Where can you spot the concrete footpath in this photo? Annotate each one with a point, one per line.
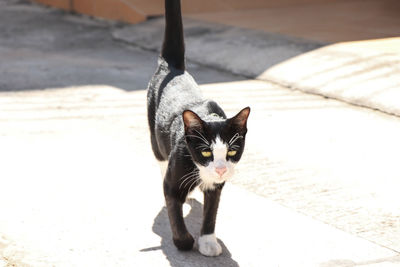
(81, 188)
(364, 73)
(318, 185)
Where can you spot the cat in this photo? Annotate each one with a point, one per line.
(193, 134)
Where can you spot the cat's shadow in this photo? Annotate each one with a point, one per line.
(178, 258)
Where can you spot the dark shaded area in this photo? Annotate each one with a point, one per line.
(188, 258)
(42, 47)
(241, 51)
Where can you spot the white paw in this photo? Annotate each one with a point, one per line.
(208, 245)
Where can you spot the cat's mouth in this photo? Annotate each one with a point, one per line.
(221, 176)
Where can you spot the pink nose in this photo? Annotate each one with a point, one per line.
(220, 170)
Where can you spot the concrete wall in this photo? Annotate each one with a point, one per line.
(108, 9)
(134, 11)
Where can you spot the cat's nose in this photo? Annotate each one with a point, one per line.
(220, 170)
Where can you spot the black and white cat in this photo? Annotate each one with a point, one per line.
(193, 134)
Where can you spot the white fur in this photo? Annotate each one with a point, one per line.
(163, 167)
(219, 149)
(186, 209)
(208, 174)
(208, 245)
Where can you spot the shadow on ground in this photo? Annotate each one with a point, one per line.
(47, 48)
(190, 258)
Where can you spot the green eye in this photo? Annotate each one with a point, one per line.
(206, 154)
(231, 153)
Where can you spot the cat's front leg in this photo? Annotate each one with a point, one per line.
(183, 240)
(208, 244)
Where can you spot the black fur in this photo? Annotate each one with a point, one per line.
(173, 49)
(177, 112)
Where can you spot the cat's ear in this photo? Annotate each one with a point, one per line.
(192, 121)
(240, 120)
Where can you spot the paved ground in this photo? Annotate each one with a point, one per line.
(81, 187)
(363, 73)
(320, 175)
(43, 48)
(217, 45)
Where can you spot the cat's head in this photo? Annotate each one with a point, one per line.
(215, 146)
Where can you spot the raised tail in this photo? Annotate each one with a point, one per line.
(173, 49)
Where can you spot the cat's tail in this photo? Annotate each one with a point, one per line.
(173, 49)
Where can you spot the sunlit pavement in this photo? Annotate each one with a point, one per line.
(363, 73)
(80, 187)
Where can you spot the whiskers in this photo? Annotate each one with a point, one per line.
(189, 179)
(203, 146)
(202, 136)
(234, 139)
(199, 136)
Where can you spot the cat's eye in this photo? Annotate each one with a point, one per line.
(206, 154)
(231, 153)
